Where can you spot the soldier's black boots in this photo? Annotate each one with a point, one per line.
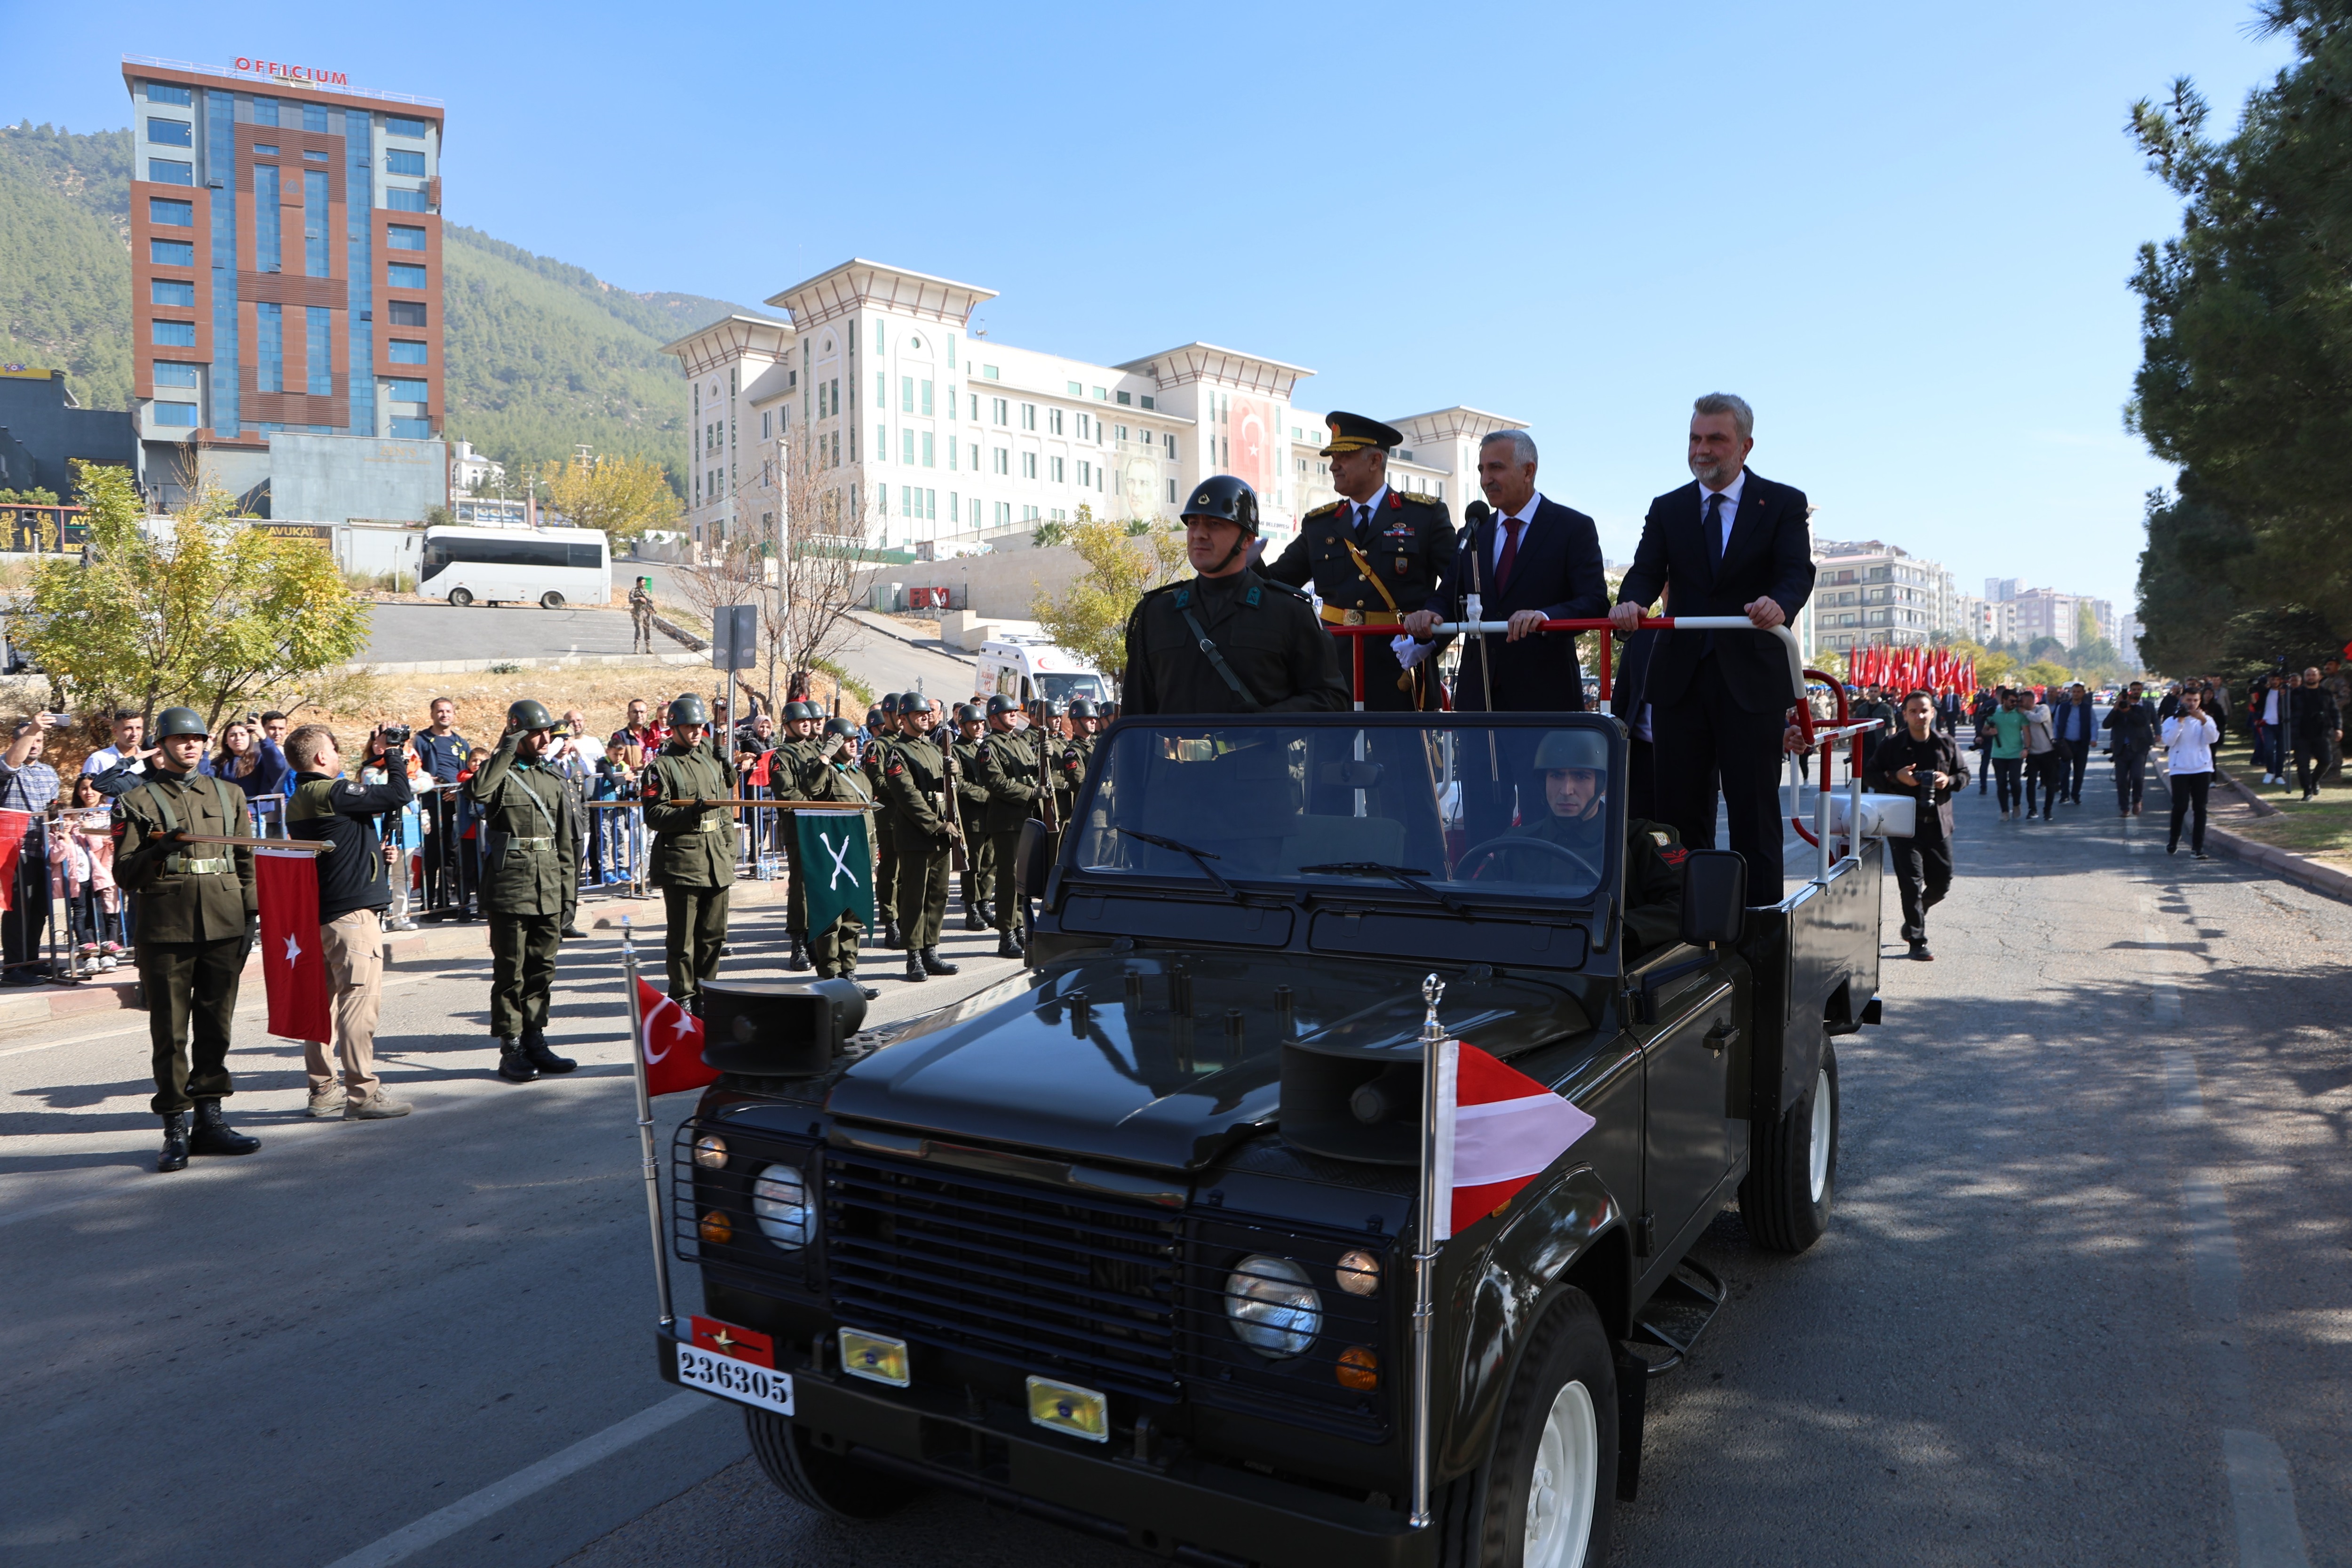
(534, 1049)
(175, 1156)
(513, 1065)
(1005, 946)
(934, 964)
(915, 970)
(798, 957)
(215, 1136)
(972, 920)
(892, 936)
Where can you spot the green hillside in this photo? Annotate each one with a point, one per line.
(542, 355)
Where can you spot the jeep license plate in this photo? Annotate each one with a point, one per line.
(737, 1380)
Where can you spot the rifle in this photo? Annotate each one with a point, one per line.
(1045, 810)
(956, 857)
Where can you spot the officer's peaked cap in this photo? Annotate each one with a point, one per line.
(1353, 433)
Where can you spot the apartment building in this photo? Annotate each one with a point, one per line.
(1870, 594)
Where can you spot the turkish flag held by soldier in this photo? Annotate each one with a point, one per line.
(293, 955)
(669, 1040)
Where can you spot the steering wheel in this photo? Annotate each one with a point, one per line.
(1508, 842)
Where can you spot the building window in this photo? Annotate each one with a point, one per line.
(404, 275)
(170, 172)
(1028, 416)
(171, 291)
(265, 111)
(1004, 454)
(1124, 398)
(926, 397)
(1054, 420)
(951, 454)
(1005, 514)
(313, 155)
(406, 391)
(1100, 395)
(1028, 465)
(314, 117)
(165, 92)
(171, 212)
(989, 371)
(404, 428)
(1146, 400)
(314, 223)
(407, 351)
(171, 252)
(169, 374)
(401, 199)
(1171, 493)
(1085, 426)
(906, 448)
(1172, 447)
(1056, 465)
(399, 161)
(176, 334)
(270, 372)
(766, 425)
(1085, 475)
(180, 415)
(928, 451)
(401, 125)
(318, 348)
(1001, 410)
(405, 313)
(402, 236)
(170, 132)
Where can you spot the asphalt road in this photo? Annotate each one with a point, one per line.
(416, 633)
(2083, 1301)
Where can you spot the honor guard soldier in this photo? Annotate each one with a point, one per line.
(1227, 640)
(1008, 773)
(530, 885)
(1373, 557)
(883, 725)
(971, 807)
(693, 854)
(915, 783)
(1077, 753)
(836, 777)
(792, 758)
(196, 909)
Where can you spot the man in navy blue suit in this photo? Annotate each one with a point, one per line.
(1732, 542)
(1531, 560)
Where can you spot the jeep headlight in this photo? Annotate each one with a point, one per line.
(780, 1204)
(1273, 1307)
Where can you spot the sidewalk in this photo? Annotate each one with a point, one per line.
(402, 950)
(2232, 813)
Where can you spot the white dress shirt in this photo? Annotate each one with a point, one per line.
(1526, 516)
(1731, 494)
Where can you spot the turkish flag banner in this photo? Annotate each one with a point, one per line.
(12, 825)
(293, 957)
(669, 1041)
(727, 1339)
(1497, 1130)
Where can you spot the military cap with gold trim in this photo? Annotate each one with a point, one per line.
(1353, 433)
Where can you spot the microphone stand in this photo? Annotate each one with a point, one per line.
(1474, 515)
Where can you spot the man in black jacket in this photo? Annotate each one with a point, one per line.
(354, 889)
(2318, 726)
(2131, 727)
(1731, 542)
(1920, 760)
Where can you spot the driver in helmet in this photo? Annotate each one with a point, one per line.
(1574, 767)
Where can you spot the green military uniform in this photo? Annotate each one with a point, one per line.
(531, 882)
(915, 783)
(692, 861)
(971, 809)
(786, 763)
(1265, 635)
(842, 782)
(1009, 775)
(194, 903)
(1653, 860)
(886, 857)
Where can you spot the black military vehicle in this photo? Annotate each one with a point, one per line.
(1129, 1241)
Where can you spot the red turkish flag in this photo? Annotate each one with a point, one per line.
(293, 957)
(669, 1040)
(12, 825)
(730, 1339)
(1497, 1130)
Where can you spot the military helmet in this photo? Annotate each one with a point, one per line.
(796, 712)
(1000, 703)
(174, 721)
(886, 703)
(1573, 749)
(1050, 709)
(913, 702)
(970, 713)
(689, 709)
(530, 714)
(1221, 498)
(1083, 707)
(839, 727)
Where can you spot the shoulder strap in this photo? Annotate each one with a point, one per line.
(1217, 660)
(229, 812)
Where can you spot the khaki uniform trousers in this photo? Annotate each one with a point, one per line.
(353, 946)
(922, 890)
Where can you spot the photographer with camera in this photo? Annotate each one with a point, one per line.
(1921, 761)
(388, 750)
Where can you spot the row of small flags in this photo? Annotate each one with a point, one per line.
(1911, 668)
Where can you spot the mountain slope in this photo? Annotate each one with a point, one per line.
(541, 355)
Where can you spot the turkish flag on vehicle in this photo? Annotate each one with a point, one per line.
(12, 825)
(669, 1039)
(293, 958)
(1497, 1130)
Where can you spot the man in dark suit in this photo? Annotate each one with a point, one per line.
(1629, 698)
(1373, 556)
(1531, 560)
(1730, 543)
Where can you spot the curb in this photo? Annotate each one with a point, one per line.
(872, 622)
(2270, 858)
(555, 661)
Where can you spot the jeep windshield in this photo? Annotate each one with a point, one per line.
(1424, 808)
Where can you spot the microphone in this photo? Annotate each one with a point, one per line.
(1476, 512)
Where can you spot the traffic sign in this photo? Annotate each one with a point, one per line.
(734, 636)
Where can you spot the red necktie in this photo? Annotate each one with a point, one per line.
(1510, 556)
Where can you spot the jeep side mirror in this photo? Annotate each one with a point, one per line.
(1033, 862)
(1715, 897)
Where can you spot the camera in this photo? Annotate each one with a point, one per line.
(394, 734)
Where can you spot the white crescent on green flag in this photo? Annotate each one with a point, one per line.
(836, 866)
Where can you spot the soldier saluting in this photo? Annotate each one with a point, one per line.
(530, 885)
(1227, 640)
(693, 855)
(196, 903)
(1374, 556)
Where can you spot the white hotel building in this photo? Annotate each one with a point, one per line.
(927, 437)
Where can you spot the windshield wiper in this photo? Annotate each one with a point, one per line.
(1200, 858)
(1411, 876)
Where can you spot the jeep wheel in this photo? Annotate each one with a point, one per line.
(838, 1486)
(1791, 1184)
(1550, 1487)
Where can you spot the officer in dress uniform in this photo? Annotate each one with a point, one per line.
(1008, 774)
(693, 853)
(1373, 557)
(882, 724)
(1227, 640)
(971, 807)
(530, 885)
(196, 906)
(916, 785)
(835, 775)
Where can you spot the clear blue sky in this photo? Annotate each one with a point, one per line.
(1902, 232)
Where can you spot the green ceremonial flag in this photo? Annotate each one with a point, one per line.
(836, 867)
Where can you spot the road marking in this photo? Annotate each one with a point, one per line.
(2212, 1247)
(2262, 1496)
(2181, 1086)
(467, 1512)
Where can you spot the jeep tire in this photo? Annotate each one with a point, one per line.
(1791, 1181)
(831, 1484)
(1549, 1489)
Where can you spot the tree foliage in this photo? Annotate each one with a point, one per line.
(65, 258)
(622, 496)
(2247, 347)
(1090, 619)
(215, 614)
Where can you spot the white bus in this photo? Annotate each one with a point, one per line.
(555, 566)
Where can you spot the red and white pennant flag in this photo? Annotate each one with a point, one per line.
(669, 1042)
(293, 959)
(1497, 1130)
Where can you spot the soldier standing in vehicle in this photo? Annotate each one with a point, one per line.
(1227, 640)
(883, 725)
(1008, 774)
(196, 909)
(915, 782)
(530, 885)
(1373, 557)
(836, 777)
(971, 809)
(693, 853)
